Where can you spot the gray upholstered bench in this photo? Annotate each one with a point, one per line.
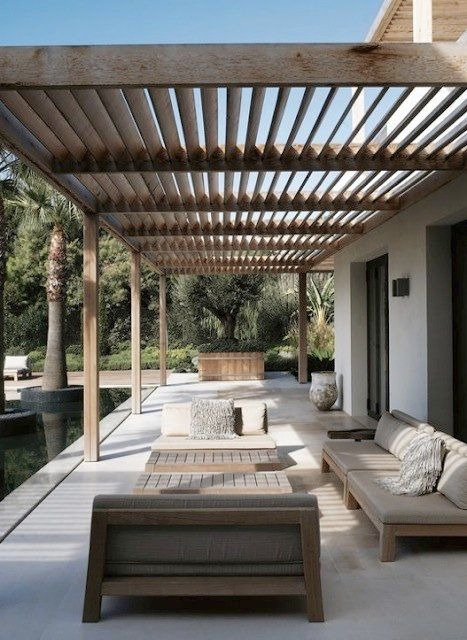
(204, 545)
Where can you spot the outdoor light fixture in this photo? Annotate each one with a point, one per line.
(400, 287)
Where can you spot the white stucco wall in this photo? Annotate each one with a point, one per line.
(415, 322)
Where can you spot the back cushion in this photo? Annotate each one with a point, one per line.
(251, 419)
(176, 419)
(394, 435)
(453, 481)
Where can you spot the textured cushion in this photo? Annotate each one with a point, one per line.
(432, 508)
(185, 569)
(212, 419)
(350, 455)
(453, 481)
(170, 443)
(250, 418)
(394, 435)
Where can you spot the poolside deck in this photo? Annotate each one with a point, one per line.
(43, 561)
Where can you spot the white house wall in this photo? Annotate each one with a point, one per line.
(420, 325)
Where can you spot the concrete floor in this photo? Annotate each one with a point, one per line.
(422, 596)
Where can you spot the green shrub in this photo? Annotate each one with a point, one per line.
(231, 345)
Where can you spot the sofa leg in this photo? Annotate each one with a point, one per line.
(349, 501)
(325, 468)
(387, 544)
(314, 597)
(92, 608)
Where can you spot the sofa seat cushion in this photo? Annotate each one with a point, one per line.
(350, 455)
(432, 508)
(170, 443)
(185, 569)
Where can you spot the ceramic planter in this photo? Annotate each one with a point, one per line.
(323, 391)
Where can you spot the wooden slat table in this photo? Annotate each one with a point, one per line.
(207, 460)
(218, 483)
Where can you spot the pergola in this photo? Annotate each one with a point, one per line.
(217, 159)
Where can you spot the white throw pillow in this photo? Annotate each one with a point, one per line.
(176, 419)
(251, 419)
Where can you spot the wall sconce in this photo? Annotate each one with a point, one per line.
(400, 287)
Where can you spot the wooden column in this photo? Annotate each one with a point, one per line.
(422, 16)
(163, 329)
(302, 330)
(135, 332)
(91, 336)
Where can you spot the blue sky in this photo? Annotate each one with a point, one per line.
(45, 22)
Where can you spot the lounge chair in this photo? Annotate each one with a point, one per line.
(16, 366)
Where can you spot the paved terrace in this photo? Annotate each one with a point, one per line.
(43, 561)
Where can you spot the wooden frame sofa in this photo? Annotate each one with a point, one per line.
(359, 464)
(204, 546)
(16, 367)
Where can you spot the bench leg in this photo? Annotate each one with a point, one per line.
(350, 501)
(325, 468)
(387, 544)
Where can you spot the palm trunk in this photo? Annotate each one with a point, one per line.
(2, 289)
(55, 433)
(55, 373)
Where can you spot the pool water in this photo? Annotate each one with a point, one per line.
(21, 456)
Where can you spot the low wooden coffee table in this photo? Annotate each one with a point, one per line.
(207, 460)
(218, 483)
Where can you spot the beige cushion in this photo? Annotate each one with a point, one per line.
(432, 508)
(176, 418)
(250, 418)
(394, 435)
(350, 455)
(453, 481)
(170, 443)
(452, 444)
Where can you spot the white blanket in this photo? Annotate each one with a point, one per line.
(420, 469)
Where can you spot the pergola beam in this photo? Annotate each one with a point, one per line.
(164, 245)
(370, 64)
(332, 161)
(304, 202)
(244, 229)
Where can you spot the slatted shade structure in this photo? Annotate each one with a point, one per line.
(223, 159)
(394, 22)
(238, 158)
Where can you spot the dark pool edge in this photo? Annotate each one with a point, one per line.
(22, 501)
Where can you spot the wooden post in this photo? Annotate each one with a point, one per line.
(162, 330)
(91, 336)
(422, 16)
(135, 332)
(302, 330)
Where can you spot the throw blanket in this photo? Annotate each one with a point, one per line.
(421, 467)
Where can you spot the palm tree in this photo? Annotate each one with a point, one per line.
(7, 184)
(44, 210)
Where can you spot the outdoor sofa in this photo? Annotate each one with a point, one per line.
(16, 366)
(251, 425)
(358, 464)
(204, 545)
